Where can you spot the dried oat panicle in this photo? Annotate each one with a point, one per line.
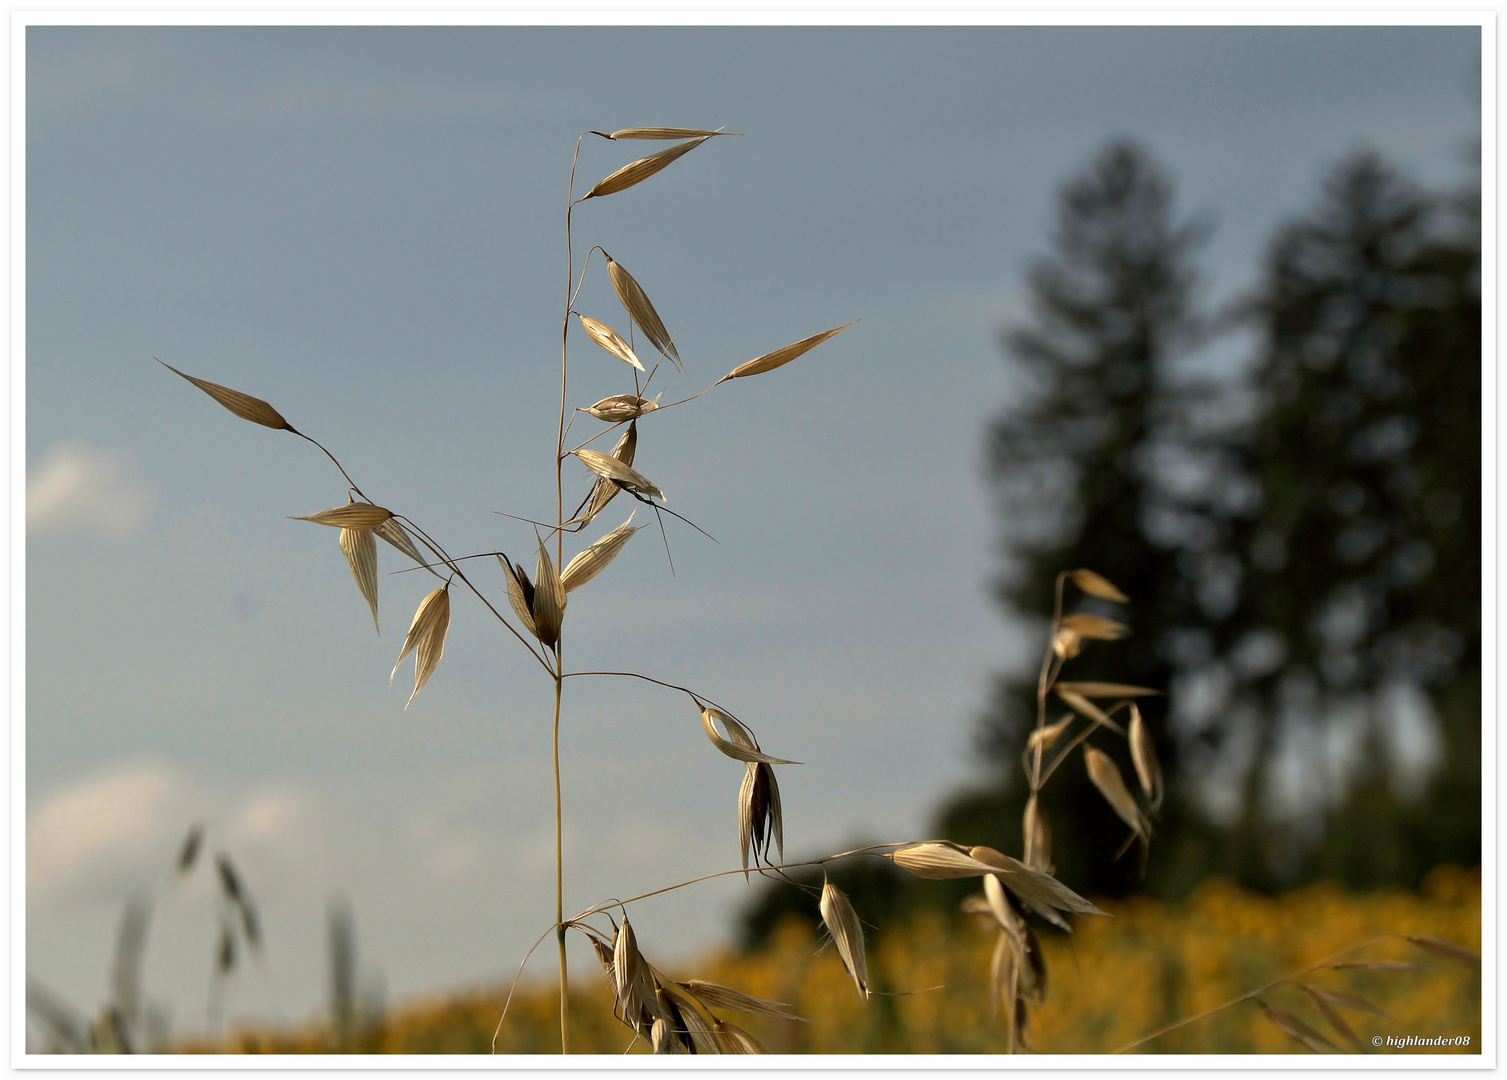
(740, 743)
(1035, 888)
(760, 819)
(1104, 689)
(603, 490)
(243, 405)
(549, 599)
(1143, 756)
(847, 934)
(938, 861)
(353, 515)
(520, 593)
(1105, 775)
(621, 407)
(394, 534)
(1038, 836)
(360, 549)
(1094, 626)
(714, 995)
(594, 559)
(635, 172)
(780, 357)
(1296, 1030)
(737, 1041)
(610, 340)
(664, 133)
(636, 303)
(426, 634)
(610, 468)
(1097, 585)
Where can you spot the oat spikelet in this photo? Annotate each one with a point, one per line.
(243, 405)
(394, 534)
(549, 599)
(610, 468)
(689, 1009)
(635, 985)
(1094, 626)
(1037, 889)
(520, 593)
(1038, 836)
(1143, 755)
(636, 302)
(717, 996)
(737, 1041)
(847, 934)
(1349, 1001)
(620, 407)
(611, 340)
(636, 172)
(1066, 643)
(603, 490)
(759, 815)
(1296, 1030)
(353, 515)
(999, 905)
(594, 559)
(1105, 775)
(1447, 949)
(780, 357)
(1001, 975)
(663, 133)
(360, 549)
(1336, 1021)
(1084, 707)
(426, 634)
(1097, 585)
(937, 861)
(740, 744)
(1105, 689)
(1048, 735)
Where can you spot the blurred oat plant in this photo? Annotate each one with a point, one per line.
(688, 1016)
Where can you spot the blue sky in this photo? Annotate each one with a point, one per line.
(365, 227)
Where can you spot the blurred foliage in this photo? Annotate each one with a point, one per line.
(1113, 981)
(1299, 534)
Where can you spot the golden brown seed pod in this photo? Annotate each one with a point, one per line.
(780, 357)
(636, 303)
(426, 634)
(353, 515)
(636, 172)
(1105, 775)
(847, 934)
(243, 405)
(1097, 585)
(610, 340)
(621, 407)
(360, 549)
(1094, 626)
(1143, 756)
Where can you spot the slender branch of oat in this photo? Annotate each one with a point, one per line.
(337, 464)
(514, 986)
(1094, 725)
(1253, 993)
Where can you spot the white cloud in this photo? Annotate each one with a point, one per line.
(80, 488)
(100, 824)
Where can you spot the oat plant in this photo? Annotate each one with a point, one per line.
(693, 1016)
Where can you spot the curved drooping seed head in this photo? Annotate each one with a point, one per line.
(842, 923)
(636, 172)
(1148, 769)
(760, 819)
(620, 407)
(663, 133)
(520, 593)
(1097, 585)
(360, 549)
(353, 515)
(610, 340)
(604, 489)
(938, 861)
(780, 357)
(1036, 889)
(426, 634)
(594, 559)
(1038, 836)
(740, 743)
(243, 405)
(610, 468)
(636, 303)
(1105, 775)
(548, 603)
